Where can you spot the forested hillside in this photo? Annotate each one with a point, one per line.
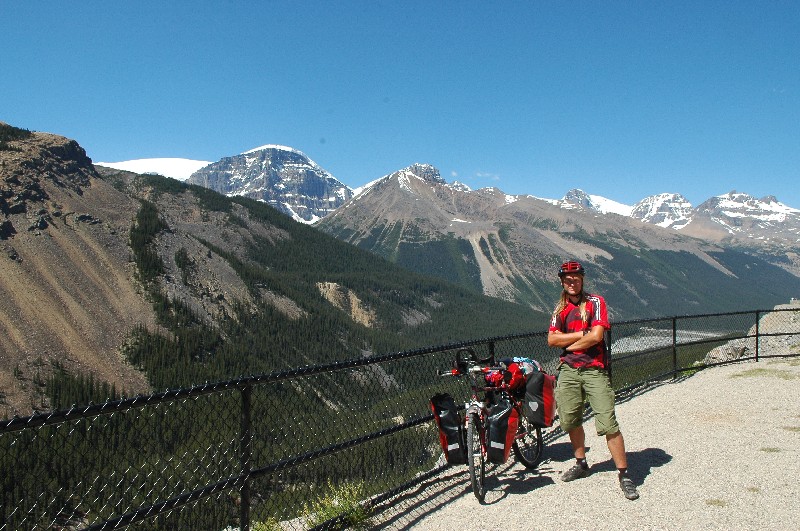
(144, 283)
(309, 297)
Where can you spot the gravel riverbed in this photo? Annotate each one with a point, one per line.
(716, 450)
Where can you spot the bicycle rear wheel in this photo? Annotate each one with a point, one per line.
(475, 456)
(528, 443)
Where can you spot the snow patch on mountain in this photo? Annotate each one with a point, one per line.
(404, 179)
(577, 198)
(177, 168)
(275, 146)
(556, 202)
(300, 162)
(609, 206)
(459, 186)
(367, 187)
(423, 172)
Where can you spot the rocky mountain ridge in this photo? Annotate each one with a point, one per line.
(509, 246)
(68, 295)
(734, 218)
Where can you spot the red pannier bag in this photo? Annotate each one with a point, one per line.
(501, 429)
(539, 405)
(451, 430)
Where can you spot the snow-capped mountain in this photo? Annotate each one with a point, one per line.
(279, 175)
(738, 205)
(741, 216)
(665, 210)
(176, 168)
(732, 216)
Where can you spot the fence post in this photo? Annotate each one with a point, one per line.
(758, 338)
(674, 348)
(245, 455)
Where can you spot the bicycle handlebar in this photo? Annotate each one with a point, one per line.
(473, 369)
(476, 369)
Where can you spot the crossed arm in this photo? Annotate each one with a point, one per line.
(572, 341)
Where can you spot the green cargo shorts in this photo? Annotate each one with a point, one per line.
(574, 387)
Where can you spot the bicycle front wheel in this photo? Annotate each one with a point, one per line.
(528, 443)
(475, 456)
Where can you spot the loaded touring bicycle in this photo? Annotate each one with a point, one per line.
(510, 402)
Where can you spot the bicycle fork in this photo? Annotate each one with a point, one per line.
(474, 410)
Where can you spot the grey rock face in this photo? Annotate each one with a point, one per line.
(283, 177)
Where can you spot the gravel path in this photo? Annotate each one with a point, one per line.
(717, 450)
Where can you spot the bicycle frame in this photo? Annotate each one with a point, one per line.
(527, 443)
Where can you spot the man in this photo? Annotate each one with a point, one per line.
(579, 325)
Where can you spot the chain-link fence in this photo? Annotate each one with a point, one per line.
(315, 447)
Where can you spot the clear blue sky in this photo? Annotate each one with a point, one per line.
(621, 99)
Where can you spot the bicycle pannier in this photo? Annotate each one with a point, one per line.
(539, 406)
(501, 428)
(451, 430)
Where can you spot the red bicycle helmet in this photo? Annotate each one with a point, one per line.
(571, 267)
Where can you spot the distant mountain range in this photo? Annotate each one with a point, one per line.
(291, 182)
(658, 257)
(735, 215)
(510, 246)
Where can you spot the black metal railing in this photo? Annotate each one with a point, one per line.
(309, 447)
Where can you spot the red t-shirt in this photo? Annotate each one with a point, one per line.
(569, 320)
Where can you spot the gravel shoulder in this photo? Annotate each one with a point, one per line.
(717, 450)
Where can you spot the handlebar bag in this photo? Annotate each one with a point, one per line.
(539, 406)
(501, 428)
(451, 430)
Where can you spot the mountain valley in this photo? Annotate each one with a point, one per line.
(121, 283)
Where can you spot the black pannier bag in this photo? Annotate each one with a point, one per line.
(539, 405)
(501, 429)
(451, 429)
